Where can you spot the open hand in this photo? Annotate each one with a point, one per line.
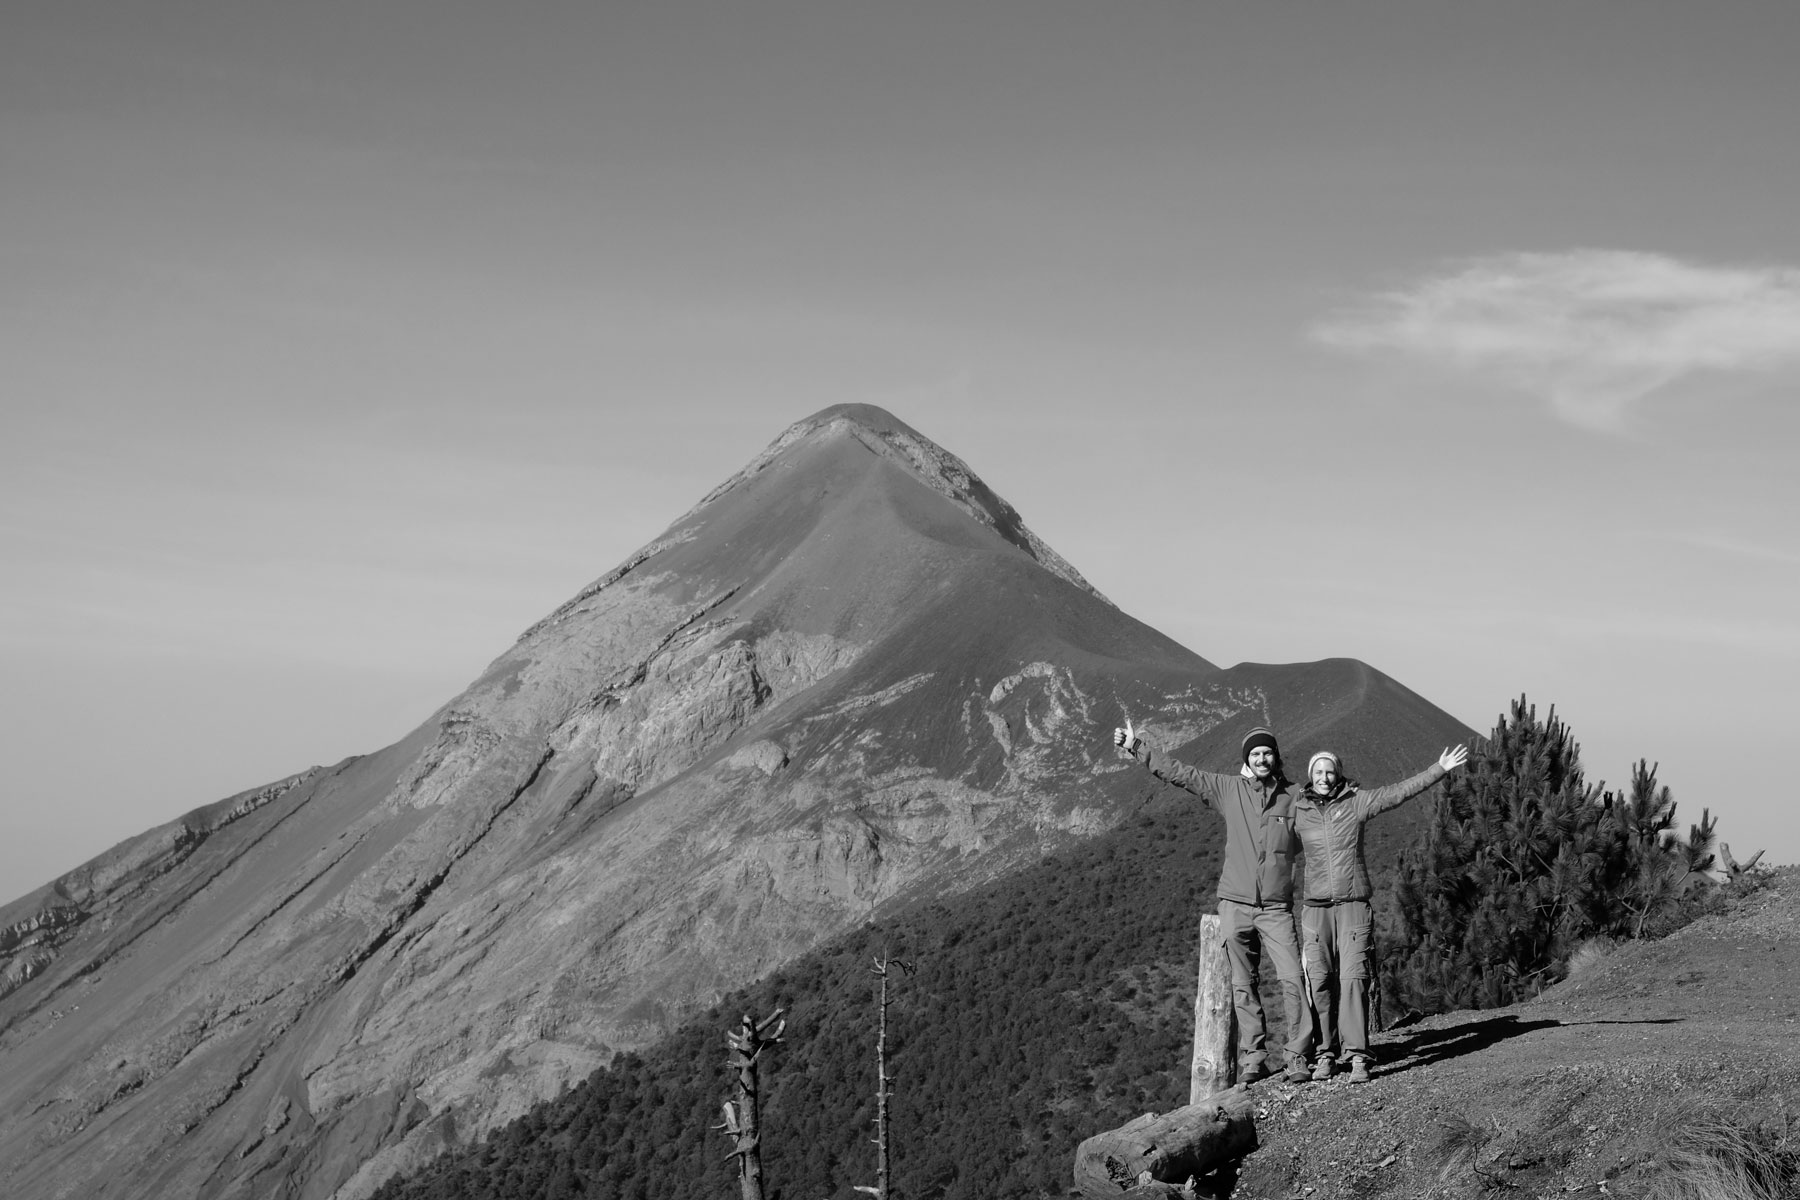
(1452, 759)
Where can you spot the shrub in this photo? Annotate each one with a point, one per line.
(1522, 861)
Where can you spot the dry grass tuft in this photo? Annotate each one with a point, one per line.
(1588, 957)
(1454, 1144)
(1715, 1158)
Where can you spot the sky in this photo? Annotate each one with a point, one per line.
(340, 342)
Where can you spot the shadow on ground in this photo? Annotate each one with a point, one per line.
(1436, 1045)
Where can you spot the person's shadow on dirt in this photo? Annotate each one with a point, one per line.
(1435, 1045)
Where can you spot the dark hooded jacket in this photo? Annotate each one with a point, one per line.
(1259, 826)
(1331, 830)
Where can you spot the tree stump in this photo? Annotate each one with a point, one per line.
(1214, 1067)
(1170, 1149)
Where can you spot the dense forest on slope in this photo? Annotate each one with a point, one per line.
(1046, 1007)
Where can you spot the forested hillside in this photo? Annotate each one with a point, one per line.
(1044, 1008)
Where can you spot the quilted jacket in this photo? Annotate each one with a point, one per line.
(1331, 829)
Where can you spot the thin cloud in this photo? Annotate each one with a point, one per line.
(1737, 548)
(1592, 331)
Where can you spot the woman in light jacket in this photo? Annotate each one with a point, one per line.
(1336, 921)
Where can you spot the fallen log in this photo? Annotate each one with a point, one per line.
(1191, 1141)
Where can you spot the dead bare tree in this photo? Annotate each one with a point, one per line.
(884, 1083)
(742, 1121)
(1731, 867)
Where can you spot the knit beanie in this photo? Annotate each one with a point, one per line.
(1337, 764)
(1260, 737)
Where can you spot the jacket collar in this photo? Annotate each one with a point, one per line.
(1275, 782)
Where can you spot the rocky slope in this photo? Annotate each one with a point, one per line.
(849, 678)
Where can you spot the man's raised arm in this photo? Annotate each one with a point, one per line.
(1203, 784)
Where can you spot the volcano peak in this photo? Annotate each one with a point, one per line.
(890, 438)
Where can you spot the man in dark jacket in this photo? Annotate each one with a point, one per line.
(1256, 887)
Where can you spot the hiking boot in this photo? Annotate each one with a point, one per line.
(1249, 1073)
(1296, 1071)
(1359, 1070)
(1323, 1068)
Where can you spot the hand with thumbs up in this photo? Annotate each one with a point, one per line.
(1127, 739)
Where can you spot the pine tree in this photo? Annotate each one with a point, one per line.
(1654, 874)
(1487, 896)
(1523, 860)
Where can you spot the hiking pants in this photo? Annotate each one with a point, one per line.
(1251, 932)
(1339, 962)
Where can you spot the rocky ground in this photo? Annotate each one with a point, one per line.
(1643, 1069)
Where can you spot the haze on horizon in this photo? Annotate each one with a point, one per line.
(342, 343)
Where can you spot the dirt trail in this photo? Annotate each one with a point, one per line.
(1582, 1091)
